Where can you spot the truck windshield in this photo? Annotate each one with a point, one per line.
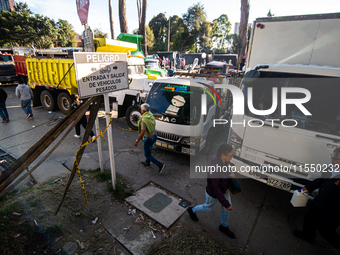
(324, 105)
(175, 103)
(135, 69)
(152, 64)
(6, 58)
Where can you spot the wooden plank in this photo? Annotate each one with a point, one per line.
(18, 166)
(7, 181)
(93, 114)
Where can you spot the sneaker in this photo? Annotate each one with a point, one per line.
(227, 231)
(144, 164)
(193, 215)
(161, 168)
(7, 120)
(28, 116)
(77, 136)
(4, 121)
(31, 117)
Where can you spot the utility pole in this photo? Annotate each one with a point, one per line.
(168, 32)
(243, 31)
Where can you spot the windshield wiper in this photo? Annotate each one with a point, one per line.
(163, 113)
(169, 115)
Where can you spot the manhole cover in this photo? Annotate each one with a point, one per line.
(157, 203)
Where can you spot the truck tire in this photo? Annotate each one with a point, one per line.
(64, 103)
(133, 115)
(48, 100)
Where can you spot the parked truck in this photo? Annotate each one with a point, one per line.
(291, 120)
(7, 69)
(181, 126)
(51, 73)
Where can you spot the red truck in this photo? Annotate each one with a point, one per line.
(7, 69)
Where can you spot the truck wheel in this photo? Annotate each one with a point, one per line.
(48, 101)
(64, 103)
(132, 116)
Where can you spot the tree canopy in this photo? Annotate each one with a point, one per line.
(221, 29)
(198, 26)
(192, 32)
(24, 28)
(97, 33)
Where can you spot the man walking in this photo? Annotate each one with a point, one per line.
(25, 94)
(146, 128)
(323, 213)
(3, 110)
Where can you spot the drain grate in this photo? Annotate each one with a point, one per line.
(158, 202)
(5, 159)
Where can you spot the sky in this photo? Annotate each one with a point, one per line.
(98, 16)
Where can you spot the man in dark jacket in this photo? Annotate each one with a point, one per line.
(217, 189)
(3, 110)
(323, 213)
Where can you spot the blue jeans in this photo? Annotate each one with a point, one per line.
(209, 205)
(148, 143)
(3, 111)
(26, 106)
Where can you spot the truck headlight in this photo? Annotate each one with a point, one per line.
(236, 142)
(191, 141)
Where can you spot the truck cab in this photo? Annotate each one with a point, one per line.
(276, 141)
(177, 106)
(126, 102)
(7, 68)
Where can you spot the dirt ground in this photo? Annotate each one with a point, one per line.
(28, 223)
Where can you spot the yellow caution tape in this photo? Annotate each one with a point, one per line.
(83, 145)
(130, 130)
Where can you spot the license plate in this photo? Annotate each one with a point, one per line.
(188, 151)
(277, 183)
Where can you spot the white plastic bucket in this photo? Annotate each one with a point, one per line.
(299, 198)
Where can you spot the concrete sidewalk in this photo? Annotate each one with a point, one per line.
(259, 219)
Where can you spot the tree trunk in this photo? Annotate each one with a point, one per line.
(111, 21)
(139, 10)
(243, 35)
(122, 17)
(142, 29)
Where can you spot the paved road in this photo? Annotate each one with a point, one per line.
(261, 214)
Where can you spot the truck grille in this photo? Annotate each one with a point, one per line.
(168, 137)
(7, 70)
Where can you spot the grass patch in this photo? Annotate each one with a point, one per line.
(8, 197)
(122, 191)
(53, 232)
(32, 201)
(193, 241)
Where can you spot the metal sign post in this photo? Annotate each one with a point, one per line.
(88, 39)
(101, 73)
